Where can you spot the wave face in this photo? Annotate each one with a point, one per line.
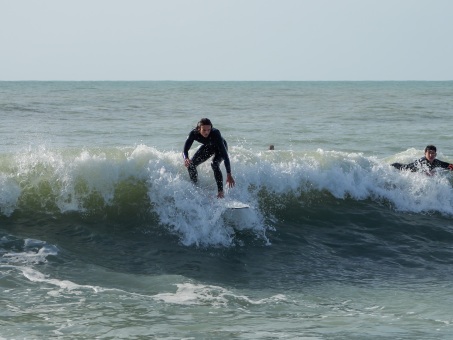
(146, 186)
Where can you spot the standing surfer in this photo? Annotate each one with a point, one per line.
(212, 144)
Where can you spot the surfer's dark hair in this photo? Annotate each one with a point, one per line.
(203, 121)
(431, 148)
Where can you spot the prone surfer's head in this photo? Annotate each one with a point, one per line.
(430, 148)
(430, 153)
(204, 126)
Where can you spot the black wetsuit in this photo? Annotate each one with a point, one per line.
(215, 145)
(422, 164)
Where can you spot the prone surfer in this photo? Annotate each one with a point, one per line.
(428, 162)
(212, 144)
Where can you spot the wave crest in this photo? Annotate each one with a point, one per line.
(132, 182)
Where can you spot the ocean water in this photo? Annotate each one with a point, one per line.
(103, 236)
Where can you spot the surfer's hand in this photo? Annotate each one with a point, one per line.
(220, 194)
(187, 162)
(450, 167)
(230, 181)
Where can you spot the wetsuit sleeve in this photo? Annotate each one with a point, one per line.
(417, 165)
(223, 151)
(189, 141)
(411, 166)
(440, 164)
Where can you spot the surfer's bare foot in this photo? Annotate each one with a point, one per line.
(220, 194)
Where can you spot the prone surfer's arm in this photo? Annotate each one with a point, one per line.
(443, 165)
(446, 165)
(414, 166)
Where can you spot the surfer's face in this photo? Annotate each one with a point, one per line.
(430, 155)
(205, 130)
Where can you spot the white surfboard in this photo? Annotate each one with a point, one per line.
(236, 205)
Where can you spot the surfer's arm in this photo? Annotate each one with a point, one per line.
(187, 145)
(230, 180)
(443, 165)
(411, 166)
(223, 150)
(226, 159)
(418, 165)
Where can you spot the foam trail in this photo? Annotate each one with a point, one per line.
(197, 294)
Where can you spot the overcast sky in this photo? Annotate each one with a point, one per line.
(226, 40)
